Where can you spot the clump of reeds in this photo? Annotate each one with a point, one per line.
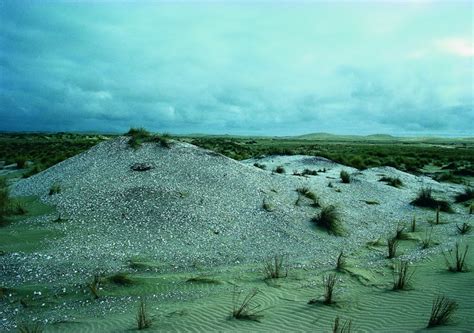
(425, 199)
(342, 327)
(94, 286)
(402, 276)
(143, 319)
(273, 268)
(413, 224)
(247, 309)
(442, 310)
(345, 177)
(392, 245)
(464, 228)
(457, 262)
(426, 241)
(340, 262)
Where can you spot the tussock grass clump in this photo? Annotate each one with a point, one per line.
(203, 280)
(308, 172)
(395, 182)
(247, 309)
(465, 228)
(138, 136)
(329, 282)
(54, 189)
(345, 177)
(466, 196)
(30, 328)
(392, 245)
(413, 224)
(19, 209)
(120, 279)
(260, 166)
(143, 319)
(274, 268)
(400, 233)
(306, 192)
(4, 199)
(442, 310)
(267, 206)
(341, 262)
(402, 276)
(279, 169)
(457, 262)
(94, 286)
(329, 220)
(342, 327)
(427, 241)
(425, 199)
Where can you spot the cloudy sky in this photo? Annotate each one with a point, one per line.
(274, 68)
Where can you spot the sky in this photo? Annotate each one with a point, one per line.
(246, 68)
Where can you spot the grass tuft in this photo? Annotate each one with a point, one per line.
(400, 233)
(273, 268)
(427, 241)
(54, 189)
(279, 169)
(30, 328)
(341, 327)
(457, 262)
(203, 280)
(345, 177)
(395, 182)
(341, 262)
(120, 279)
(329, 220)
(466, 196)
(247, 309)
(329, 282)
(392, 245)
(465, 228)
(306, 192)
(442, 310)
(402, 276)
(413, 224)
(143, 318)
(426, 200)
(94, 286)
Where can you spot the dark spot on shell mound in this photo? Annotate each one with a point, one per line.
(141, 167)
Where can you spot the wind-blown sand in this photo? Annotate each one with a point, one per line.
(196, 212)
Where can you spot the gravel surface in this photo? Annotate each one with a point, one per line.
(195, 208)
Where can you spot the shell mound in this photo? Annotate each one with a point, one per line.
(186, 206)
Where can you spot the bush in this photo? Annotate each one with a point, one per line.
(329, 220)
(345, 177)
(425, 199)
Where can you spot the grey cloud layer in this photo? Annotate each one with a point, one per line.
(228, 69)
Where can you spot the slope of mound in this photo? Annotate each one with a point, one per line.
(195, 208)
